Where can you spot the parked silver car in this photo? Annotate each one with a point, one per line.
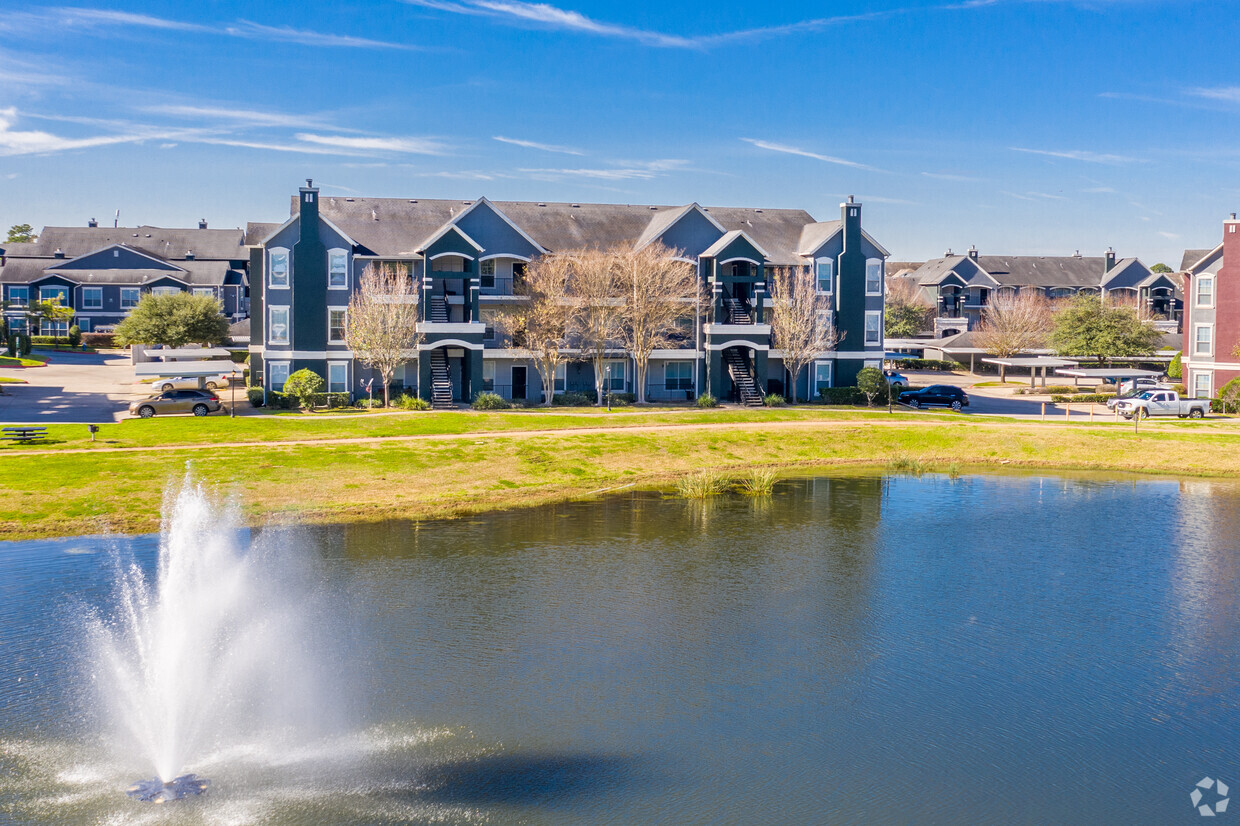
(198, 402)
(217, 381)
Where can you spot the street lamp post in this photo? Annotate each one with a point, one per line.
(608, 388)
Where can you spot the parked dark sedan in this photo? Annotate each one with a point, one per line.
(943, 394)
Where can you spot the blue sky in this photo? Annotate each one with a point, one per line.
(1041, 126)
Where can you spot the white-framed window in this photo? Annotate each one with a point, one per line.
(84, 325)
(19, 296)
(874, 276)
(92, 298)
(50, 327)
(1201, 386)
(338, 269)
(678, 375)
(486, 272)
(1203, 340)
(278, 267)
(877, 365)
(873, 326)
(207, 291)
(277, 374)
(824, 274)
(277, 325)
(488, 375)
(130, 296)
(165, 290)
(337, 377)
(617, 374)
(56, 294)
(822, 376)
(561, 377)
(1205, 291)
(337, 318)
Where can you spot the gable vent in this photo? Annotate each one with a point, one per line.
(348, 200)
(412, 201)
(542, 205)
(59, 253)
(576, 206)
(654, 208)
(189, 255)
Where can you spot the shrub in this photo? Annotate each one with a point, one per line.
(841, 395)
(872, 384)
(303, 386)
(707, 400)
(1175, 370)
(47, 341)
(623, 398)
(11, 344)
(572, 400)
(757, 483)
(23, 344)
(774, 400)
(75, 336)
(907, 464)
(255, 395)
(98, 340)
(1181, 389)
(408, 402)
(701, 485)
(926, 364)
(370, 404)
(490, 401)
(1081, 398)
(330, 400)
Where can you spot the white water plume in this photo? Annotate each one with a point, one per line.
(230, 644)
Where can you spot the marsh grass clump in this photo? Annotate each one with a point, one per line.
(702, 484)
(759, 482)
(953, 470)
(906, 464)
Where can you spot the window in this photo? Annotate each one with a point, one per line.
(277, 326)
(518, 273)
(277, 374)
(166, 290)
(130, 296)
(1205, 292)
(1203, 344)
(825, 274)
(335, 324)
(822, 376)
(48, 327)
(874, 276)
(678, 375)
(19, 296)
(488, 375)
(338, 270)
(279, 268)
(84, 325)
(1201, 386)
(488, 273)
(59, 295)
(877, 365)
(207, 291)
(873, 326)
(92, 298)
(337, 377)
(617, 375)
(561, 377)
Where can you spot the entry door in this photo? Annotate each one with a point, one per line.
(518, 381)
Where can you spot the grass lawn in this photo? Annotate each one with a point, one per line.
(11, 380)
(459, 470)
(28, 361)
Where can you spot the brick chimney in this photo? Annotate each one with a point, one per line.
(973, 252)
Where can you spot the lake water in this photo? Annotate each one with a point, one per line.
(850, 650)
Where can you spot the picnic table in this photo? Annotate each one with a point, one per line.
(24, 435)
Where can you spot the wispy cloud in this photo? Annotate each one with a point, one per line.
(944, 176)
(1171, 235)
(545, 147)
(37, 142)
(1034, 196)
(879, 199)
(409, 146)
(622, 171)
(805, 153)
(57, 20)
(1079, 155)
(1227, 94)
(1098, 190)
(242, 117)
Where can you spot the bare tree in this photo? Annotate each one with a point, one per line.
(381, 327)
(595, 289)
(800, 318)
(542, 323)
(660, 293)
(1014, 324)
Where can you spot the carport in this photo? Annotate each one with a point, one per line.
(1107, 374)
(201, 369)
(1033, 363)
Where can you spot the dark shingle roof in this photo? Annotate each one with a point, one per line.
(196, 273)
(396, 226)
(171, 244)
(1192, 257)
(1039, 271)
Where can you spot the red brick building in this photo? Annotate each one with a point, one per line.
(1212, 313)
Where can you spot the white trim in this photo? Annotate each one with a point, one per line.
(541, 249)
(881, 276)
(1197, 340)
(736, 329)
(445, 255)
(268, 366)
(330, 253)
(1197, 292)
(741, 258)
(448, 342)
(288, 269)
(459, 328)
(82, 298)
(726, 240)
(451, 225)
(830, 262)
(877, 314)
(739, 343)
(347, 364)
(1210, 365)
(119, 245)
(1192, 387)
(813, 381)
(295, 219)
(288, 323)
(1192, 269)
(121, 298)
(505, 255)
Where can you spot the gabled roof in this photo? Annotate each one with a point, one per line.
(727, 239)
(813, 236)
(499, 212)
(58, 263)
(1196, 261)
(444, 230)
(663, 221)
(296, 215)
(170, 244)
(195, 273)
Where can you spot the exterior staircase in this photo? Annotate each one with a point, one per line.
(738, 369)
(438, 308)
(441, 382)
(737, 312)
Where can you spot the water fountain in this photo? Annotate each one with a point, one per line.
(230, 642)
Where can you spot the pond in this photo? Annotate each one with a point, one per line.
(852, 649)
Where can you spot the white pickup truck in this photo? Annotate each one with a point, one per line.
(1162, 403)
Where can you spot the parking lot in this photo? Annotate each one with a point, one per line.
(74, 387)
